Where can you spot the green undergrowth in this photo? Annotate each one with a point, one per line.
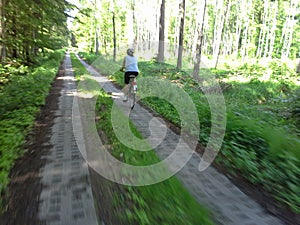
(167, 202)
(262, 133)
(22, 94)
(102, 63)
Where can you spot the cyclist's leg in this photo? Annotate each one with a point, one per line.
(126, 88)
(125, 92)
(135, 82)
(131, 93)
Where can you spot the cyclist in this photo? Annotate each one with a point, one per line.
(130, 65)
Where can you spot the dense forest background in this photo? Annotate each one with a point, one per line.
(30, 27)
(215, 28)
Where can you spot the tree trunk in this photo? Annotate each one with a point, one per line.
(199, 49)
(262, 39)
(216, 29)
(258, 50)
(14, 50)
(222, 32)
(97, 42)
(161, 33)
(134, 24)
(2, 31)
(289, 30)
(273, 30)
(245, 40)
(91, 37)
(96, 29)
(115, 39)
(181, 31)
(268, 32)
(298, 68)
(237, 36)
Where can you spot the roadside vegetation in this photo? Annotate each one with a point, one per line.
(23, 91)
(167, 202)
(262, 133)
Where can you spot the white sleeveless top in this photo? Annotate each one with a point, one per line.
(131, 64)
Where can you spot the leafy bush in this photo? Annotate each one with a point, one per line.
(281, 71)
(251, 70)
(104, 64)
(11, 69)
(294, 107)
(253, 143)
(21, 98)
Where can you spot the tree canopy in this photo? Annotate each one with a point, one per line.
(30, 27)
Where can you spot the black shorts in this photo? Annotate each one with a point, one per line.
(127, 76)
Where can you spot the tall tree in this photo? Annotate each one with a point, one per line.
(114, 36)
(181, 32)
(96, 28)
(161, 44)
(287, 35)
(272, 29)
(263, 29)
(218, 47)
(2, 31)
(199, 47)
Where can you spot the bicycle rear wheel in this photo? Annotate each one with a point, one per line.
(131, 95)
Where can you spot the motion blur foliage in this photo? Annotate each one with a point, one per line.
(22, 94)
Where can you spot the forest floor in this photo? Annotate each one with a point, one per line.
(25, 188)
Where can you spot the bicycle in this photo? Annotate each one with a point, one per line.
(132, 91)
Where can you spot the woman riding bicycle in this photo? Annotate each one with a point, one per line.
(130, 64)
